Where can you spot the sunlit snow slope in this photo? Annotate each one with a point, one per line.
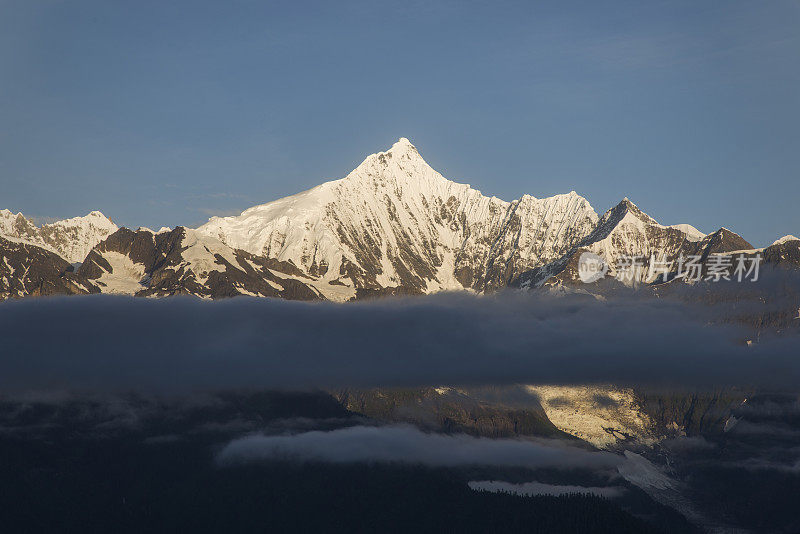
(396, 222)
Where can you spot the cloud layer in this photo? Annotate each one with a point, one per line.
(406, 444)
(181, 343)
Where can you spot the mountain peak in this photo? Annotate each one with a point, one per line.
(401, 160)
(624, 211)
(785, 239)
(624, 206)
(72, 239)
(403, 147)
(725, 240)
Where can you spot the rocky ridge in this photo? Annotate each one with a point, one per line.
(392, 226)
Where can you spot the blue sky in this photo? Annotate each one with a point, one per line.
(164, 113)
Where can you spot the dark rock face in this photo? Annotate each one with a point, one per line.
(367, 294)
(786, 254)
(721, 241)
(170, 263)
(28, 270)
(694, 413)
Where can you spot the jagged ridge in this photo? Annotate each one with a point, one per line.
(393, 225)
(396, 222)
(72, 239)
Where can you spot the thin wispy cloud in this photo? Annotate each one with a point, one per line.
(406, 444)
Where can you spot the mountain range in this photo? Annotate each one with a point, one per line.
(392, 226)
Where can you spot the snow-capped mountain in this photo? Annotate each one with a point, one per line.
(394, 222)
(72, 239)
(785, 239)
(625, 231)
(392, 226)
